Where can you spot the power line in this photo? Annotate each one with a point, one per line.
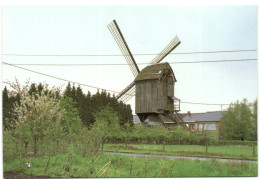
(120, 64)
(140, 54)
(62, 79)
(249, 104)
(203, 103)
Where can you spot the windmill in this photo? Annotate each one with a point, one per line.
(153, 86)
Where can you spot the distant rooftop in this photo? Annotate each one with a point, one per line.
(208, 116)
(194, 117)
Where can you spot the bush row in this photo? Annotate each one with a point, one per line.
(179, 135)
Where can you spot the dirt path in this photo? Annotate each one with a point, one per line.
(178, 157)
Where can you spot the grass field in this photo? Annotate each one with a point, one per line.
(73, 165)
(224, 151)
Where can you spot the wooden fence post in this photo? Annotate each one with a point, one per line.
(206, 148)
(253, 150)
(163, 145)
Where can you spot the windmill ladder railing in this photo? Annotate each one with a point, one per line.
(179, 118)
(126, 89)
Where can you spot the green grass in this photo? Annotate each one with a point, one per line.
(225, 151)
(123, 166)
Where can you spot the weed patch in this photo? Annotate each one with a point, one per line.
(122, 166)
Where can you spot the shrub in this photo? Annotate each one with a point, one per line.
(10, 149)
(38, 119)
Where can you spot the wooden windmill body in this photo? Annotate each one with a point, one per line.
(153, 87)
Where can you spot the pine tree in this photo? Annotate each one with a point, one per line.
(79, 95)
(67, 92)
(32, 90)
(73, 93)
(80, 98)
(89, 104)
(88, 108)
(18, 99)
(40, 88)
(6, 109)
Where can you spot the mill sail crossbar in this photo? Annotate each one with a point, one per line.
(124, 92)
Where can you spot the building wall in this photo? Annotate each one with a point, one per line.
(212, 133)
(146, 97)
(152, 96)
(196, 125)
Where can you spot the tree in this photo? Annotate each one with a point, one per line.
(79, 95)
(67, 91)
(106, 124)
(6, 109)
(80, 103)
(17, 88)
(8, 106)
(88, 110)
(32, 90)
(126, 133)
(38, 118)
(235, 124)
(89, 104)
(70, 122)
(40, 88)
(253, 131)
(73, 93)
(18, 99)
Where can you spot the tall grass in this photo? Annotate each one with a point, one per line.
(72, 165)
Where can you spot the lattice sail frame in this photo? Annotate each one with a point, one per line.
(120, 40)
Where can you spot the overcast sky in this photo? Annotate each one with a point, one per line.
(82, 30)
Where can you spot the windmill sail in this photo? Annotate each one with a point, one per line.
(120, 40)
(127, 93)
(170, 47)
(127, 96)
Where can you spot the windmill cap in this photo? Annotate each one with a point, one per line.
(156, 71)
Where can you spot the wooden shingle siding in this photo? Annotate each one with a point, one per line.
(160, 96)
(169, 104)
(146, 97)
(154, 95)
(137, 98)
(170, 87)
